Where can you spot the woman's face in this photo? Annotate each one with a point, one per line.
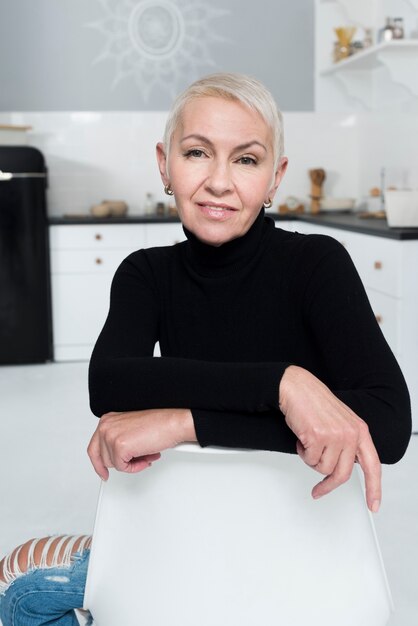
(220, 168)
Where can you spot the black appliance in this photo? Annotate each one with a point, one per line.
(25, 303)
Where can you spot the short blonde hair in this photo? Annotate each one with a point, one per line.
(231, 86)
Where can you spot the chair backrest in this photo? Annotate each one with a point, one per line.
(233, 538)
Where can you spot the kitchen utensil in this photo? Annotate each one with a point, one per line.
(317, 177)
(345, 35)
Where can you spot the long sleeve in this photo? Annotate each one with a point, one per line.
(261, 431)
(361, 369)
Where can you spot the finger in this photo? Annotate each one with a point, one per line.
(328, 462)
(133, 464)
(137, 464)
(370, 464)
(311, 455)
(106, 454)
(93, 451)
(341, 474)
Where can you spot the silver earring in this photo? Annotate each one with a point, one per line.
(168, 190)
(268, 204)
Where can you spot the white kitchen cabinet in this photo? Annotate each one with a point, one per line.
(163, 234)
(84, 258)
(79, 306)
(388, 269)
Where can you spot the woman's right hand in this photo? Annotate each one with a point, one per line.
(331, 437)
(131, 441)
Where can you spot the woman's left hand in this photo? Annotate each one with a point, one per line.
(130, 441)
(331, 437)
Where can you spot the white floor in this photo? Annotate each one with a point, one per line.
(47, 484)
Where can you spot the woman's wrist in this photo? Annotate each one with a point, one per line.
(184, 425)
(289, 378)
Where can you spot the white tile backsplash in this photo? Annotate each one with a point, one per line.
(389, 142)
(94, 156)
(321, 140)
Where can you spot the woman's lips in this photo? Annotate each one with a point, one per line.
(216, 211)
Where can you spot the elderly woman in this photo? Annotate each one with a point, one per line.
(267, 337)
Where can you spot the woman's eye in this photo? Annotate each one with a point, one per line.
(195, 153)
(247, 160)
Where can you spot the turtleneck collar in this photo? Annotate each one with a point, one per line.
(230, 257)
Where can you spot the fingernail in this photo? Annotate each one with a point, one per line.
(375, 506)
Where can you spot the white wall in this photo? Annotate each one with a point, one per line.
(389, 141)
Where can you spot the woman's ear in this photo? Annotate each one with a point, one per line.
(162, 163)
(278, 176)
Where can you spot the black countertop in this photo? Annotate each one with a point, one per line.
(344, 221)
(353, 222)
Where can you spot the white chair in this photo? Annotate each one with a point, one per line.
(215, 537)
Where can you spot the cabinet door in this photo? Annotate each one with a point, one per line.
(97, 237)
(386, 310)
(378, 261)
(80, 304)
(163, 234)
(86, 261)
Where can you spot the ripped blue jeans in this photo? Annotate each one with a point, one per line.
(47, 593)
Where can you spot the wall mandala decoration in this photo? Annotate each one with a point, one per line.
(158, 42)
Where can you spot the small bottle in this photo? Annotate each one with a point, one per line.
(398, 29)
(149, 204)
(386, 33)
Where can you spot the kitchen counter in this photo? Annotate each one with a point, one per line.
(129, 219)
(355, 223)
(344, 221)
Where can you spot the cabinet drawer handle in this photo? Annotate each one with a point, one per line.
(379, 318)
(98, 237)
(378, 265)
(99, 261)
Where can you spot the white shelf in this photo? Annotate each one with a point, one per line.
(381, 77)
(372, 57)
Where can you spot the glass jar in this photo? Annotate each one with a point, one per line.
(149, 205)
(398, 29)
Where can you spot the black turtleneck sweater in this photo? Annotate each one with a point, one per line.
(229, 320)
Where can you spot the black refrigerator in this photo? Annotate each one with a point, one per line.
(25, 302)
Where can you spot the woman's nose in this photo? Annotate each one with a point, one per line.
(219, 178)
